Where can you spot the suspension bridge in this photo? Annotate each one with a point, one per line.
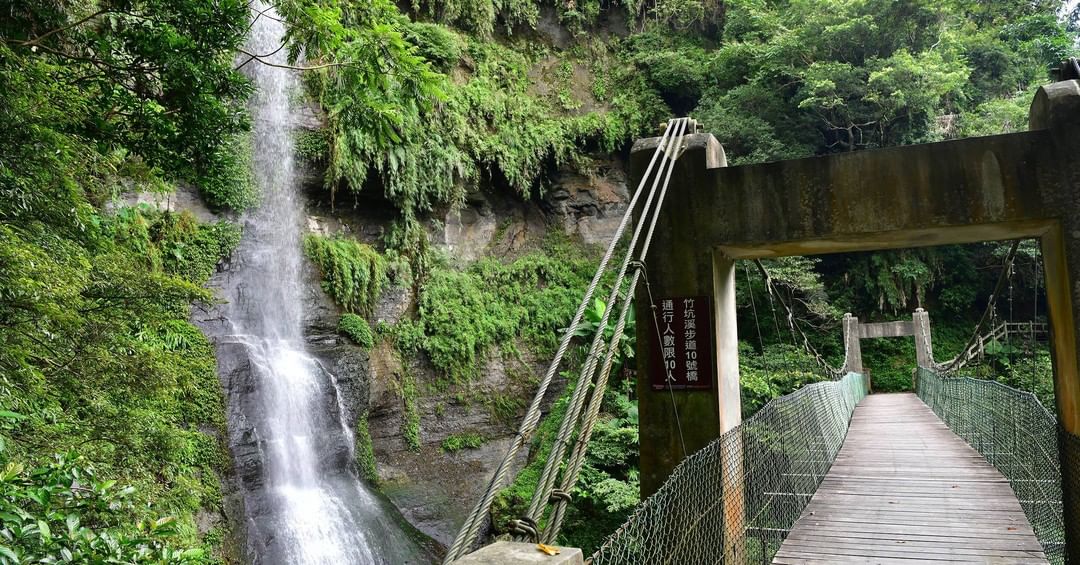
(962, 470)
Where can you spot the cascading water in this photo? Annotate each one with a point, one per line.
(302, 501)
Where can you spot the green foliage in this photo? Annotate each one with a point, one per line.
(997, 116)
(464, 313)
(826, 75)
(173, 243)
(233, 188)
(468, 440)
(890, 362)
(312, 146)
(437, 44)
(62, 512)
(353, 272)
(365, 451)
(590, 324)
(96, 350)
(357, 329)
(778, 370)
(1017, 364)
(145, 80)
(451, 129)
(481, 15)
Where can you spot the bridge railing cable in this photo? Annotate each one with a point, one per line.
(470, 531)
(1017, 435)
(735, 500)
(796, 330)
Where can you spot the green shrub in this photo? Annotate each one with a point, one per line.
(435, 42)
(357, 329)
(467, 440)
(782, 369)
(353, 272)
(365, 451)
(62, 512)
(465, 313)
(312, 145)
(173, 243)
(234, 188)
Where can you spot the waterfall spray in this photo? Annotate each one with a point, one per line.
(302, 499)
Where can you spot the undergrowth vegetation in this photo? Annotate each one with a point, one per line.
(463, 314)
(353, 273)
(98, 359)
(357, 329)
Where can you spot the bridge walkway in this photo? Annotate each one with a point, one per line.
(905, 489)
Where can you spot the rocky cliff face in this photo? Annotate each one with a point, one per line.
(432, 488)
(435, 489)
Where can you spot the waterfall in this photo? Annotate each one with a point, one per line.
(293, 448)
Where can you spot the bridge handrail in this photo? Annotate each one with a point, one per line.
(1016, 434)
(978, 346)
(760, 473)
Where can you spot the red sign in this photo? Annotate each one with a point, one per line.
(682, 344)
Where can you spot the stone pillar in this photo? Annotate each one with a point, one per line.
(677, 423)
(924, 349)
(730, 405)
(1057, 108)
(852, 349)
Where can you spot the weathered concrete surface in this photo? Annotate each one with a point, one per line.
(512, 553)
(682, 270)
(886, 329)
(1021, 185)
(918, 327)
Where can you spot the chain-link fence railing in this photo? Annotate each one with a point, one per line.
(735, 500)
(1016, 434)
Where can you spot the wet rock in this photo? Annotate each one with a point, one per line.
(435, 490)
(589, 206)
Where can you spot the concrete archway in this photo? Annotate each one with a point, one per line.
(1020, 185)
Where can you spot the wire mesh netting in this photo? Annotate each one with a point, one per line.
(735, 500)
(1016, 434)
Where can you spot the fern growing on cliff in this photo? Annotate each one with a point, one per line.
(353, 273)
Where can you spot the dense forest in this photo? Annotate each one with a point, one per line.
(112, 418)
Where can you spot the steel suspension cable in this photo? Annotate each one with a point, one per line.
(795, 329)
(757, 322)
(577, 457)
(959, 360)
(471, 528)
(573, 413)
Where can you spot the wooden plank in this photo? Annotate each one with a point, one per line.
(903, 490)
(905, 547)
(1019, 544)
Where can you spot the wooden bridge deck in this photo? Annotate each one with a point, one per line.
(904, 490)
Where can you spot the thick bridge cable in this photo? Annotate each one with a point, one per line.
(573, 414)
(470, 530)
(577, 456)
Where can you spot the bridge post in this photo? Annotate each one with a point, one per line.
(676, 421)
(1056, 108)
(852, 349)
(924, 347)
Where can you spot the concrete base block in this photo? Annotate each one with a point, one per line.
(513, 553)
